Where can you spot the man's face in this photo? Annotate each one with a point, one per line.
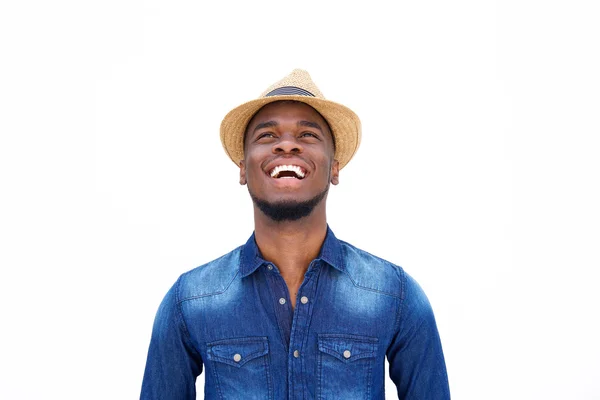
(288, 159)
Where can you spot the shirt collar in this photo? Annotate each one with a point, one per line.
(331, 253)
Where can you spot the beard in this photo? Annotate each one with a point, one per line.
(288, 210)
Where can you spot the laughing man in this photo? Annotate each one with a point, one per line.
(295, 313)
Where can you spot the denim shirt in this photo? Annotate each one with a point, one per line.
(233, 318)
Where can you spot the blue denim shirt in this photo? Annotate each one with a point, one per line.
(233, 317)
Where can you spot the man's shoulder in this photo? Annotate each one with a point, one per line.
(211, 278)
(370, 272)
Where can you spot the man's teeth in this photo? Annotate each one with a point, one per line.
(293, 168)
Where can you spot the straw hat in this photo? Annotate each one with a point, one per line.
(344, 123)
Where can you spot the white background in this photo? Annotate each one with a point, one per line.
(478, 173)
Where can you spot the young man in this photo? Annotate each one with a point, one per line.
(294, 313)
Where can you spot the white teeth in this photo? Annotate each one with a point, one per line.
(294, 168)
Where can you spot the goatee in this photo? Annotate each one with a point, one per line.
(288, 210)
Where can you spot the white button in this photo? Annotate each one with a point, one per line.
(282, 301)
(237, 358)
(304, 299)
(347, 354)
(296, 353)
(270, 267)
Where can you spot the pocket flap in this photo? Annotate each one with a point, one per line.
(348, 348)
(237, 352)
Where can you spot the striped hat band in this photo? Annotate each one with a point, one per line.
(289, 91)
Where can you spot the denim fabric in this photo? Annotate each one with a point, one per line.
(233, 317)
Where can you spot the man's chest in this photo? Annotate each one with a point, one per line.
(251, 338)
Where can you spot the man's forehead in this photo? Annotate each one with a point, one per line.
(272, 107)
(257, 118)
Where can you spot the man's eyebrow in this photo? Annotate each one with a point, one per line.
(268, 124)
(310, 125)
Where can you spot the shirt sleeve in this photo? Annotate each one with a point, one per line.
(173, 363)
(417, 365)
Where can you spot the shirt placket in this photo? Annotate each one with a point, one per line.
(282, 306)
(297, 358)
(294, 325)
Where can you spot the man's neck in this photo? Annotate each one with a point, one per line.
(291, 245)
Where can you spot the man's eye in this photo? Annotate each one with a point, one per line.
(265, 135)
(308, 134)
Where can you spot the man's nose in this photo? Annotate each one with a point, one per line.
(288, 143)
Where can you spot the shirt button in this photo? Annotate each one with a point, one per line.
(304, 299)
(282, 301)
(237, 358)
(347, 354)
(269, 267)
(296, 353)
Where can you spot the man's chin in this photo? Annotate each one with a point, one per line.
(288, 209)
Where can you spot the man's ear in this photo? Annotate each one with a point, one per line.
(242, 172)
(335, 172)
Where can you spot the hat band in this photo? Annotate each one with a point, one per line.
(289, 90)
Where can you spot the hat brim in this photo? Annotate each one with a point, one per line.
(344, 123)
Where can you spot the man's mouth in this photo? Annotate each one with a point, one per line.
(287, 171)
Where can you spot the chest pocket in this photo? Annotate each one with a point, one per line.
(345, 365)
(241, 368)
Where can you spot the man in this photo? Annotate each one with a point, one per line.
(294, 313)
